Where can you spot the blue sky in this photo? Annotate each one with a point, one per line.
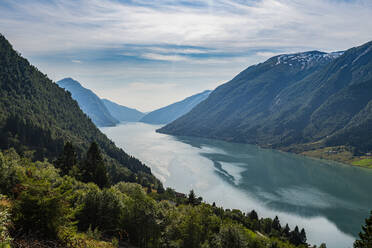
(147, 54)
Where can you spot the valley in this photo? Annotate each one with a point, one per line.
(327, 198)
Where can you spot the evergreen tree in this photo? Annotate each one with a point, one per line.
(286, 230)
(67, 159)
(276, 224)
(253, 215)
(295, 237)
(192, 198)
(303, 236)
(93, 167)
(365, 235)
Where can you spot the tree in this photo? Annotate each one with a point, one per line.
(67, 159)
(286, 230)
(41, 209)
(295, 237)
(232, 236)
(93, 167)
(303, 236)
(365, 236)
(276, 224)
(192, 198)
(101, 209)
(253, 215)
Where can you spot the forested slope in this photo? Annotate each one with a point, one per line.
(291, 99)
(36, 114)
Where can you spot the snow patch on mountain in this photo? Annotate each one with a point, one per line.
(307, 59)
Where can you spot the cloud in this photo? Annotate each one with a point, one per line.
(154, 56)
(193, 44)
(40, 26)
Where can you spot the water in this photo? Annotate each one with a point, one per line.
(328, 199)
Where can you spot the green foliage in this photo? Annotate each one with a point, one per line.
(46, 205)
(232, 236)
(8, 177)
(365, 236)
(101, 210)
(67, 159)
(5, 222)
(93, 167)
(140, 217)
(41, 207)
(367, 162)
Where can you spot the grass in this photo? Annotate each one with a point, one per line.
(365, 162)
(337, 153)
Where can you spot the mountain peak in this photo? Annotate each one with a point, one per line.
(306, 59)
(68, 81)
(89, 102)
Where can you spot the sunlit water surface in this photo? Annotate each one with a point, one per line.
(328, 199)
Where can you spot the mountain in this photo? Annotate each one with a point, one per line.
(171, 112)
(89, 102)
(313, 97)
(37, 115)
(122, 113)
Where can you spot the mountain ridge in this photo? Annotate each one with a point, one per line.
(89, 102)
(173, 111)
(122, 113)
(279, 104)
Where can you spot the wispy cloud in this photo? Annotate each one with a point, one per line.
(196, 35)
(223, 24)
(155, 56)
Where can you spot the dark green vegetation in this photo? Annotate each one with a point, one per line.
(89, 102)
(294, 102)
(365, 236)
(122, 113)
(46, 205)
(171, 112)
(39, 117)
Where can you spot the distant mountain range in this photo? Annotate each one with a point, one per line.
(171, 112)
(89, 102)
(122, 113)
(103, 112)
(323, 99)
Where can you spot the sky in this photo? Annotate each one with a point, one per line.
(148, 54)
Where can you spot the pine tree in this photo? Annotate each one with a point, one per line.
(295, 237)
(276, 224)
(286, 230)
(93, 167)
(67, 159)
(192, 198)
(365, 235)
(253, 215)
(303, 236)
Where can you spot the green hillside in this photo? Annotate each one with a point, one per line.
(37, 115)
(291, 100)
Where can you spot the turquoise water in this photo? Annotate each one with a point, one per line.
(328, 199)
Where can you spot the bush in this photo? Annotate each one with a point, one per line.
(41, 207)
